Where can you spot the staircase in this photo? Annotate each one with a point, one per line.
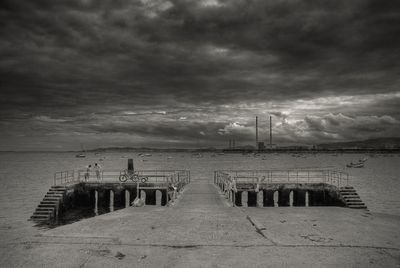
(47, 207)
(351, 198)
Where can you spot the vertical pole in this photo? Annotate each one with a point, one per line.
(256, 132)
(96, 201)
(260, 199)
(270, 132)
(245, 199)
(111, 200)
(137, 189)
(307, 199)
(127, 198)
(131, 168)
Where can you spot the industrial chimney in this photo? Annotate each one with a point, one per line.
(256, 131)
(270, 132)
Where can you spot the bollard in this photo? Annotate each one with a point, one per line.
(131, 168)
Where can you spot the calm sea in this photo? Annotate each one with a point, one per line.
(26, 177)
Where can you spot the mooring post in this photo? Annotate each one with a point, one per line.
(131, 168)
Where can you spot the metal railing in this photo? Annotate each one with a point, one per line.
(65, 177)
(112, 176)
(332, 177)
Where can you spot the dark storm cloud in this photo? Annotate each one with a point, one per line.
(70, 58)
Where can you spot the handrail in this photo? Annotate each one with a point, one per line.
(112, 175)
(64, 177)
(332, 177)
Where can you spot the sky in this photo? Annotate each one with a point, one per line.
(184, 74)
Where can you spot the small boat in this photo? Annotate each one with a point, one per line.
(355, 165)
(82, 153)
(362, 160)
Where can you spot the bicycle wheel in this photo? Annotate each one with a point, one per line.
(135, 178)
(123, 178)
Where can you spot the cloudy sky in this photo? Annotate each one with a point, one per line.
(184, 73)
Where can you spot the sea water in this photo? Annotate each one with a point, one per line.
(26, 177)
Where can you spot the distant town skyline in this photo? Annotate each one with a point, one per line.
(186, 74)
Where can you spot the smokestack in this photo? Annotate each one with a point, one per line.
(256, 131)
(270, 131)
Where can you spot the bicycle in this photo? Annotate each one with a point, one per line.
(131, 175)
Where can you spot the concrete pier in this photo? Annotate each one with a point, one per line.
(202, 230)
(156, 187)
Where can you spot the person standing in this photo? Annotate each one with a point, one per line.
(88, 170)
(97, 169)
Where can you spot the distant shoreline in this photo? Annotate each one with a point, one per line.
(200, 150)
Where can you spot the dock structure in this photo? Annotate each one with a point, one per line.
(291, 187)
(109, 189)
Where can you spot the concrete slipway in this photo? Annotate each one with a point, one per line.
(201, 230)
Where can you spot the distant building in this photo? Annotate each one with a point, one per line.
(261, 146)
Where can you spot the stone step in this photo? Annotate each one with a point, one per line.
(54, 194)
(355, 204)
(353, 200)
(346, 187)
(39, 209)
(347, 191)
(358, 207)
(49, 201)
(40, 214)
(353, 196)
(56, 191)
(46, 205)
(40, 217)
(58, 187)
(349, 194)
